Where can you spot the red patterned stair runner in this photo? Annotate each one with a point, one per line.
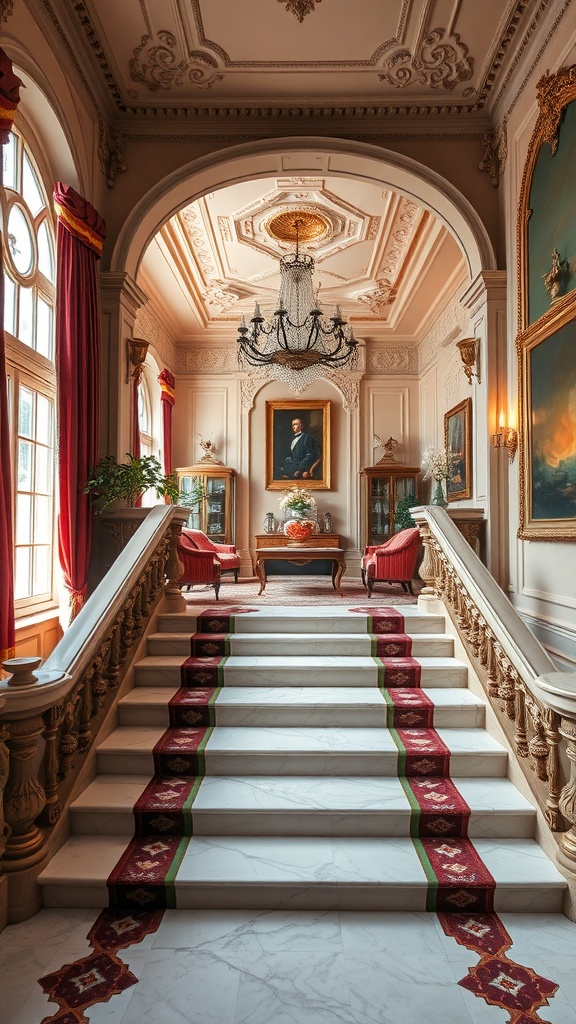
(440, 815)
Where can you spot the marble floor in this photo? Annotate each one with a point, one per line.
(273, 967)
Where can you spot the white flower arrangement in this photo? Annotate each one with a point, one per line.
(299, 500)
(438, 463)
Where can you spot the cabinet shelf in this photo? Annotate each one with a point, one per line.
(215, 514)
(383, 487)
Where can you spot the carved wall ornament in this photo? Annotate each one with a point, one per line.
(495, 146)
(440, 62)
(553, 278)
(250, 386)
(110, 152)
(551, 94)
(6, 9)
(300, 8)
(452, 322)
(149, 325)
(392, 360)
(382, 296)
(156, 65)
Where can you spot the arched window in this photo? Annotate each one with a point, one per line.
(145, 417)
(29, 276)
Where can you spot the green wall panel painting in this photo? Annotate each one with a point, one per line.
(552, 224)
(552, 414)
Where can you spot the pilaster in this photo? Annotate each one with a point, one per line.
(121, 298)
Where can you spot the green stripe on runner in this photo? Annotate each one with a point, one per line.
(401, 766)
(414, 807)
(200, 751)
(173, 871)
(381, 671)
(432, 891)
(223, 661)
(187, 806)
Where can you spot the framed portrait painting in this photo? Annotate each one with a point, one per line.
(298, 445)
(458, 439)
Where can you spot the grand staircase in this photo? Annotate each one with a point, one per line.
(320, 775)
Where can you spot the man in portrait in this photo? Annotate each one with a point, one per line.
(303, 457)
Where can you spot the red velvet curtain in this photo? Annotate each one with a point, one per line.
(81, 233)
(167, 384)
(9, 99)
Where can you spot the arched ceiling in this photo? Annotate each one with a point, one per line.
(388, 262)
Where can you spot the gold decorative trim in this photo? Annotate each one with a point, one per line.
(300, 8)
(312, 226)
(495, 146)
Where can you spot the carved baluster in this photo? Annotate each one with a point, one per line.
(427, 570)
(550, 721)
(567, 800)
(5, 829)
(147, 592)
(521, 736)
(495, 654)
(114, 658)
(53, 719)
(24, 796)
(173, 570)
(537, 744)
(85, 709)
(98, 684)
(123, 635)
(137, 611)
(69, 742)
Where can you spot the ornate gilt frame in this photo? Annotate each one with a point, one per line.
(554, 93)
(293, 408)
(464, 408)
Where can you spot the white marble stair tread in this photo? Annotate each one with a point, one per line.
(290, 644)
(296, 805)
(294, 671)
(303, 873)
(354, 706)
(300, 751)
(344, 873)
(316, 619)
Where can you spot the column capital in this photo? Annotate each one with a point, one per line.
(117, 286)
(488, 286)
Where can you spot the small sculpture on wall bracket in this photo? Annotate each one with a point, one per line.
(389, 448)
(209, 449)
(553, 278)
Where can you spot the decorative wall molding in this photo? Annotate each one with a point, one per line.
(204, 359)
(452, 322)
(110, 152)
(386, 359)
(6, 9)
(149, 325)
(382, 296)
(250, 385)
(441, 61)
(495, 146)
(300, 8)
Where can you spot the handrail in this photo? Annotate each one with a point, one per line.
(89, 663)
(513, 667)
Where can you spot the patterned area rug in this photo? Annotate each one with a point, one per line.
(299, 590)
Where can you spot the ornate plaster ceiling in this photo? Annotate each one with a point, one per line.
(386, 261)
(207, 56)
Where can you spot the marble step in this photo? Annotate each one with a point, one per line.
(303, 873)
(299, 644)
(316, 619)
(300, 751)
(299, 671)
(309, 705)
(302, 805)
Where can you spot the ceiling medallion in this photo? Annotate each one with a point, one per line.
(298, 225)
(300, 7)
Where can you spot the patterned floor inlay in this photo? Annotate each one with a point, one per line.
(497, 979)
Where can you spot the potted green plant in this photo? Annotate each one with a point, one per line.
(402, 518)
(122, 483)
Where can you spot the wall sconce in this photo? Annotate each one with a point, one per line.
(507, 437)
(137, 352)
(469, 350)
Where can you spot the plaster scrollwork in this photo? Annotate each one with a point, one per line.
(148, 325)
(201, 359)
(441, 61)
(6, 9)
(495, 146)
(382, 296)
(300, 8)
(156, 65)
(389, 360)
(110, 152)
(348, 385)
(450, 324)
(217, 295)
(551, 94)
(250, 385)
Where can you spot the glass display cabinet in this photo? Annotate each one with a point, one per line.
(384, 486)
(213, 514)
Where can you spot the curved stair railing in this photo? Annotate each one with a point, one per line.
(534, 703)
(48, 724)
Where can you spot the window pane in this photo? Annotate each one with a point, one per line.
(30, 188)
(42, 520)
(24, 466)
(44, 329)
(22, 581)
(26, 413)
(43, 430)
(23, 519)
(45, 253)
(26, 318)
(10, 153)
(20, 241)
(42, 582)
(43, 475)
(9, 305)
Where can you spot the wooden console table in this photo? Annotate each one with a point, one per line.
(301, 554)
(317, 540)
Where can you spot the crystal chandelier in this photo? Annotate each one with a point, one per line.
(298, 336)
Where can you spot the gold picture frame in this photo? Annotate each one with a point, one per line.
(307, 462)
(547, 320)
(458, 439)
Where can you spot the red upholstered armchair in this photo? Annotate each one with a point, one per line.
(392, 562)
(225, 553)
(199, 566)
